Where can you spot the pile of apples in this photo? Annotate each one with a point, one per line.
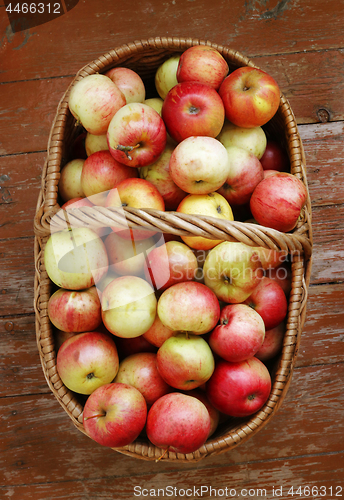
(167, 336)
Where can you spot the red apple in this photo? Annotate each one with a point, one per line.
(282, 275)
(203, 64)
(140, 371)
(193, 109)
(199, 165)
(270, 258)
(100, 173)
(214, 414)
(239, 389)
(239, 335)
(185, 361)
(250, 96)
(275, 157)
(87, 361)
(135, 193)
(273, 343)
(129, 83)
(136, 135)
(268, 173)
(158, 173)
(75, 311)
(114, 415)
(93, 101)
(158, 333)
(277, 201)
(178, 422)
(169, 264)
(245, 173)
(77, 203)
(189, 307)
(269, 300)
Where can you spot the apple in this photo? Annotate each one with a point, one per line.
(211, 204)
(199, 165)
(158, 333)
(171, 263)
(136, 135)
(158, 173)
(250, 96)
(268, 173)
(252, 139)
(277, 201)
(93, 101)
(106, 279)
(77, 203)
(87, 361)
(282, 275)
(140, 371)
(245, 173)
(75, 259)
(275, 157)
(128, 257)
(192, 109)
(185, 361)
(269, 300)
(203, 64)
(100, 173)
(114, 415)
(270, 258)
(75, 311)
(129, 346)
(179, 423)
(189, 307)
(135, 193)
(214, 414)
(273, 343)
(129, 83)
(70, 180)
(239, 389)
(94, 143)
(166, 76)
(155, 103)
(128, 306)
(239, 335)
(232, 270)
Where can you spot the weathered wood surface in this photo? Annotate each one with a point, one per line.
(42, 455)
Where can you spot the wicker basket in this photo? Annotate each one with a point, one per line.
(144, 57)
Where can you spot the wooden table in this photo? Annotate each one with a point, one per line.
(42, 455)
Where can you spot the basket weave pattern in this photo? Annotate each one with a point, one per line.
(145, 57)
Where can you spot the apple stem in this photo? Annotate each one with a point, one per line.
(161, 456)
(126, 149)
(95, 416)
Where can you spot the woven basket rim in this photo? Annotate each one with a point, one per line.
(298, 243)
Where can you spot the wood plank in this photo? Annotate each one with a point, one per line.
(40, 443)
(254, 480)
(17, 276)
(21, 370)
(28, 109)
(253, 25)
(328, 252)
(323, 145)
(323, 332)
(20, 182)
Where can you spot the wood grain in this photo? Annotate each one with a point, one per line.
(247, 26)
(40, 443)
